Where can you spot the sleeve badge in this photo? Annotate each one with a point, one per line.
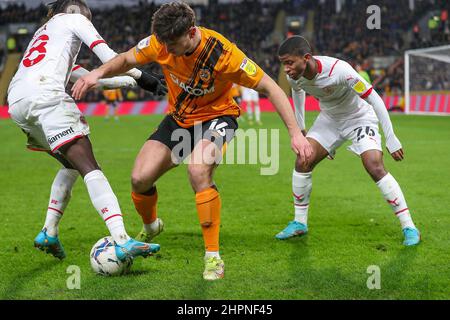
(143, 43)
(359, 86)
(248, 66)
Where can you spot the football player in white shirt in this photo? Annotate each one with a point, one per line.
(52, 122)
(350, 111)
(251, 99)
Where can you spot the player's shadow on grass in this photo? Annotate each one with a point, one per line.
(16, 283)
(137, 269)
(309, 282)
(394, 272)
(181, 235)
(136, 273)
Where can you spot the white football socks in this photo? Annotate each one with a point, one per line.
(60, 194)
(301, 188)
(152, 227)
(106, 204)
(209, 254)
(394, 196)
(249, 110)
(257, 113)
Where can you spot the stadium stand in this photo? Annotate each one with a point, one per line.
(252, 25)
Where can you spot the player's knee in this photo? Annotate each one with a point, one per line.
(301, 166)
(139, 183)
(199, 176)
(198, 173)
(376, 171)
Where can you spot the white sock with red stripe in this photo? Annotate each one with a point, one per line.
(60, 194)
(301, 188)
(106, 204)
(394, 196)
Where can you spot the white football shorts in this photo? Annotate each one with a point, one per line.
(250, 95)
(361, 131)
(49, 121)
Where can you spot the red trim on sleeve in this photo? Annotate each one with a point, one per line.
(93, 44)
(66, 142)
(332, 68)
(368, 92)
(319, 65)
(76, 68)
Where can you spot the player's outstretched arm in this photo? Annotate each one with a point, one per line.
(108, 83)
(393, 145)
(143, 79)
(117, 65)
(279, 99)
(88, 34)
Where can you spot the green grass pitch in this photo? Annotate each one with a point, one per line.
(351, 226)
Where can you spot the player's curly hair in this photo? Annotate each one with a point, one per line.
(172, 20)
(69, 6)
(295, 45)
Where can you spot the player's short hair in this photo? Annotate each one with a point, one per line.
(295, 45)
(172, 20)
(69, 6)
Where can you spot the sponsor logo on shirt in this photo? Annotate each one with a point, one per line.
(248, 66)
(199, 92)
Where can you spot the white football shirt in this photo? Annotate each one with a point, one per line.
(50, 57)
(338, 87)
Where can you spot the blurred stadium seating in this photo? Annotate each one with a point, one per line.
(258, 27)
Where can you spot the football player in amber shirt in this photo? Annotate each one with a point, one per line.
(200, 67)
(112, 99)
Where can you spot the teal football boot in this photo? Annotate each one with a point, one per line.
(293, 229)
(49, 244)
(412, 236)
(134, 248)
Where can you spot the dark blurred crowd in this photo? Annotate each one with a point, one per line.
(346, 35)
(250, 25)
(247, 24)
